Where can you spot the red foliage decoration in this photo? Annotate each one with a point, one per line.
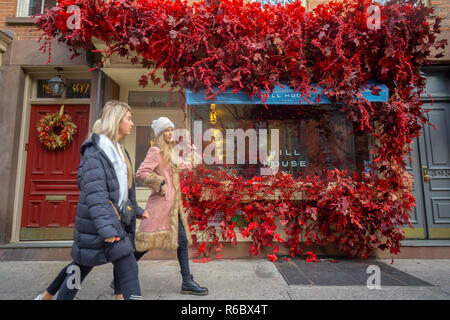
(251, 48)
(359, 213)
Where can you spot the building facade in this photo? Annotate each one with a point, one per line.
(38, 193)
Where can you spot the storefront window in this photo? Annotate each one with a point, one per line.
(312, 139)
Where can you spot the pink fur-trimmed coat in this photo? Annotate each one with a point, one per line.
(160, 230)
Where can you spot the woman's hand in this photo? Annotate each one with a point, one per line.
(163, 191)
(185, 165)
(145, 215)
(112, 239)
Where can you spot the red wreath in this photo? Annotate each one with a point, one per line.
(56, 130)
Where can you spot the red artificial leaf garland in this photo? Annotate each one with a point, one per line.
(311, 257)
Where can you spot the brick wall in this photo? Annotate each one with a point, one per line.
(7, 9)
(313, 3)
(442, 9)
(23, 32)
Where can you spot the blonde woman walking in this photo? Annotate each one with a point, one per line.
(105, 178)
(167, 226)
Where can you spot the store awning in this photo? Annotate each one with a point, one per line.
(281, 95)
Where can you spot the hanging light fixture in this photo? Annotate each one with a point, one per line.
(57, 85)
(212, 114)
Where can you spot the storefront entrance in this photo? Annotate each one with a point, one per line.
(50, 191)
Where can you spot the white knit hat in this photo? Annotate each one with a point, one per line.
(161, 124)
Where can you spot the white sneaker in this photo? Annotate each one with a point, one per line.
(39, 297)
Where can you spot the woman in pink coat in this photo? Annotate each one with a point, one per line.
(167, 226)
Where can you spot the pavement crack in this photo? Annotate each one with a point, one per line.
(289, 295)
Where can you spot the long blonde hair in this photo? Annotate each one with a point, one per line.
(165, 149)
(109, 125)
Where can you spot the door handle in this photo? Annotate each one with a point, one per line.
(426, 177)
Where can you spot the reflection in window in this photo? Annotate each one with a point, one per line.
(144, 136)
(155, 99)
(39, 6)
(312, 139)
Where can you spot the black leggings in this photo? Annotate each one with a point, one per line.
(57, 283)
(182, 254)
(127, 276)
(182, 251)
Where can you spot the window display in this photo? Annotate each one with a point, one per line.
(312, 139)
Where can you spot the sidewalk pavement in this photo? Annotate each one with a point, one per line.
(231, 279)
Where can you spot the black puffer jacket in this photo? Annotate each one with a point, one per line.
(96, 219)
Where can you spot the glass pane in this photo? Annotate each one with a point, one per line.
(39, 6)
(155, 99)
(144, 134)
(43, 89)
(48, 4)
(312, 139)
(78, 89)
(35, 7)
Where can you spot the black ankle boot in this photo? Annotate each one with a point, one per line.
(189, 286)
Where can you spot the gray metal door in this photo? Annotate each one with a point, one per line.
(417, 215)
(434, 149)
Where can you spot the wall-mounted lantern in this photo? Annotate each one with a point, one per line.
(57, 85)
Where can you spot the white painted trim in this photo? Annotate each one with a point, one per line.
(5, 40)
(21, 163)
(425, 243)
(38, 244)
(59, 101)
(22, 8)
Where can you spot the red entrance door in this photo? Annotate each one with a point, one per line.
(51, 192)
